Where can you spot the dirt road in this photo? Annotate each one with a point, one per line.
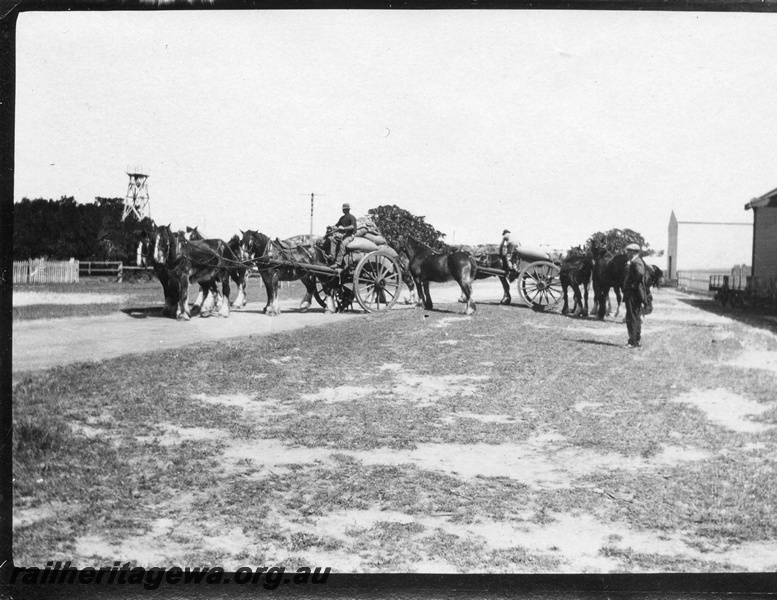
(46, 343)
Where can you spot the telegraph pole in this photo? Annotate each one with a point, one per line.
(312, 196)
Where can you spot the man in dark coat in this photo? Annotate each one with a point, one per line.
(634, 294)
(343, 233)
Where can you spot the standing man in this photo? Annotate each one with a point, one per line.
(634, 294)
(343, 233)
(507, 250)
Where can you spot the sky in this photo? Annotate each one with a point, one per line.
(553, 124)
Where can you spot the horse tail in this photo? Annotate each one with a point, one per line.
(473, 268)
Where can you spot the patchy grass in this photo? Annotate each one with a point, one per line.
(358, 407)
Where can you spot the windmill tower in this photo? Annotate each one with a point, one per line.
(137, 201)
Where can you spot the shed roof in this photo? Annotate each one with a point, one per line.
(768, 199)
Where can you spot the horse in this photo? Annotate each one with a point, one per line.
(237, 272)
(160, 267)
(193, 262)
(426, 265)
(258, 247)
(407, 278)
(608, 272)
(653, 277)
(575, 271)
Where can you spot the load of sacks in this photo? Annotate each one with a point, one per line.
(367, 239)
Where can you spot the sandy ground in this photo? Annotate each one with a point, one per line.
(543, 461)
(45, 343)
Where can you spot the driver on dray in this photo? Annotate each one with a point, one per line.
(507, 248)
(342, 233)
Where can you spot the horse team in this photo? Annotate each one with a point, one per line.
(180, 258)
(604, 269)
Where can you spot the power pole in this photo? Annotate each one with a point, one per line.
(312, 196)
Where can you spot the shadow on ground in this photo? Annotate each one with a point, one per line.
(597, 343)
(766, 320)
(144, 312)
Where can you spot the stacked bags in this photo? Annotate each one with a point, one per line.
(367, 239)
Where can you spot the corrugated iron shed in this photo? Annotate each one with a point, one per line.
(767, 200)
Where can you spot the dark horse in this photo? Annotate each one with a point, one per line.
(426, 265)
(608, 272)
(185, 262)
(264, 252)
(160, 267)
(237, 271)
(653, 277)
(576, 271)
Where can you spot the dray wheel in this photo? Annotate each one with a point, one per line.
(539, 285)
(377, 281)
(319, 293)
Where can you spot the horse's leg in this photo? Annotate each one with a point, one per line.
(419, 286)
(199, 301)
(564, 291)
(217, 294)
(427, 297)
(171, 298)
(275, 307)
(578, 299)
(506, 297)
(267, 278)
(585, 299)
(310, 288)
(182, 312)
(240, 282)
(466, 290)
(601, 299)
(225, 291)
(210, 300)
(618, 298)
(329, 304)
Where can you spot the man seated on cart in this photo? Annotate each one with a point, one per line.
(507, 250)
(342, 233)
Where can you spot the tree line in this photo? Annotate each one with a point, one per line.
(63, 229)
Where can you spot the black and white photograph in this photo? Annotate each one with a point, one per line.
(393, 291)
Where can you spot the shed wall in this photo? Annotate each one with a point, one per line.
(765, 242)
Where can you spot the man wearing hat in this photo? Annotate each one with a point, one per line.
(507, 250)
(342, 234)
(634, 294)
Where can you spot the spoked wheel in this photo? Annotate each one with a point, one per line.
(539, 285)
(377, 281)
(318, 292)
